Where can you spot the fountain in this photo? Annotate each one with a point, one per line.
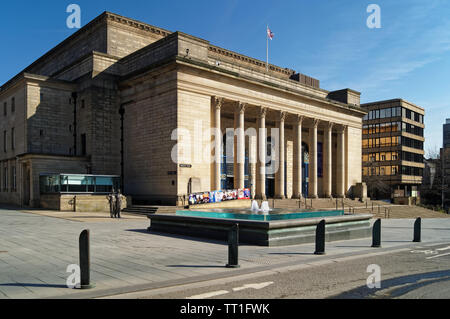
(262, 225)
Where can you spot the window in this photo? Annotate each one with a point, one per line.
(82, 104)
(5, 178)
(4, 141)
(13, 105)
(12, 138)
(13, 178)
(83, 144)
(5, 105)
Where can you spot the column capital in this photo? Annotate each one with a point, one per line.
(262, 112)
(329, 126)
(341, 128)
(315, 123)
(282, 116)
(217, 102)
(240, 107)
(299, 119)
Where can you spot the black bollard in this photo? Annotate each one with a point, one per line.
(233, 245)
(376, 234)
(85, 260)
(320, 238)
(417, 230)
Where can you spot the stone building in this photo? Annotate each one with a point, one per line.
(109, 98)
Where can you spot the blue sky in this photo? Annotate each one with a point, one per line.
(409, 57)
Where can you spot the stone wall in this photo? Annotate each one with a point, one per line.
(148, 125)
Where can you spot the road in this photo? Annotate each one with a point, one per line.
(418, 272)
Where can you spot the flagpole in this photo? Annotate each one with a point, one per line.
(267, 47)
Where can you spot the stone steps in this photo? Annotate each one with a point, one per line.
(150, 210)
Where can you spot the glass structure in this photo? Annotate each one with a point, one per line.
(75, 183)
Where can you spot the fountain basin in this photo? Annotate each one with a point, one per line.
(273, 231)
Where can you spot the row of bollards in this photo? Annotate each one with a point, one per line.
(233, 247)
(233, 239)
(376, 232)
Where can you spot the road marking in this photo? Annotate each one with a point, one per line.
(445, 248)
(438, 256)
(254, 286)
(209, 294)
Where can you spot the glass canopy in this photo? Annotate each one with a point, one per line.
(75, 183)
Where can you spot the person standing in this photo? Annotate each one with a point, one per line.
(112, 208)
(118, 203)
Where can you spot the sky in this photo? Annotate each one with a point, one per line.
(408, 57)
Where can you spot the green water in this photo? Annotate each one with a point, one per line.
(249, 215)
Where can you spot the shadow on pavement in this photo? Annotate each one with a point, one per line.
(178, 236)
(17, 284)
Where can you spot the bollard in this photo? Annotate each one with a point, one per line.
(337, 204)
(320, 238)
(378, 209)
(376, 234)
(417, 230)
(311, 203)
(85, 260)
(233, 245)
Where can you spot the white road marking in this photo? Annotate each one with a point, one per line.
(438, 256)
(254, 286)
(445, 248)
(209, 294)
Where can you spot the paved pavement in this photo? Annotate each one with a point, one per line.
(35, 251)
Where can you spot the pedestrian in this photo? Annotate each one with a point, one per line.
(118, 203)
(111, 200)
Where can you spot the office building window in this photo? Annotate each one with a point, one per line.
(13, 105)
(5, 105)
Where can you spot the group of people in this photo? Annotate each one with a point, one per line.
(115, 203)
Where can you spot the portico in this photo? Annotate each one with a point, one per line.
(278, 137)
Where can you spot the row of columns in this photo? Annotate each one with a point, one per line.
(239, 151)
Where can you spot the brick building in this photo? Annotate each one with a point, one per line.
(107, 100)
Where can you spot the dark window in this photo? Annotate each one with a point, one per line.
(4, 141)
(12, 138)
(5, 105)
(82, 104)
(13, 105)
(83, 144)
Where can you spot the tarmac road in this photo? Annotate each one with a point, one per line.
(419, 272)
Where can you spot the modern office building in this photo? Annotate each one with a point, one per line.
(446, 134)
(123, 98)
(393, 149)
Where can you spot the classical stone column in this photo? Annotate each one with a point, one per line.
(298, 158)
(328, 160)
(262, 151)
(312, 185)
(280, 181)
(239, 147)
(217, 102)
(340, 167)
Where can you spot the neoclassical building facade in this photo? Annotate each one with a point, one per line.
(119, 95)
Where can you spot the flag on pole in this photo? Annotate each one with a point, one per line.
(269, 33)
(269, 36)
